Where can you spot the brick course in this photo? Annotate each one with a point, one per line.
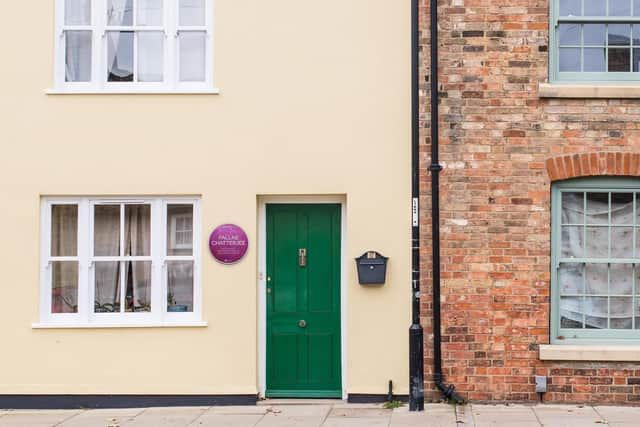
(501, 147)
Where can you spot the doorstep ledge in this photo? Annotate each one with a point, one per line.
(604, 353)
(549, 90)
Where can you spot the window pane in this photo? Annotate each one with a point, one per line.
(597, 242)
(621, 242)
(572, 245)
(595, 8)
(64, 289)
(597, 279)
(78, 56)
(636, 59)
(619, 35)
(636, 7)
(77, 12)
(571, 278)
(619, 59)
(192, 56)
(150, 56)
(569, 59)
(180, 286)
(569, 34)
(621, 279)
(597, 312)
(179, 230)
(621, 312)
(150, 13)
(107, 287)
(106, 230)
(597, 208)
(120, 12)
(573, 208)
(64, 230)
(594, 34)
(570, 7)
(137, 234)
(192, 13)
(619, 7)
(571, 312)
(138, 279)
(622, 208)
(120, 56)
(594, 59)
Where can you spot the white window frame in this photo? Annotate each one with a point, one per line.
(85, 316)
(99, 83)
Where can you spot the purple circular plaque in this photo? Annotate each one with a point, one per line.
(228, 243)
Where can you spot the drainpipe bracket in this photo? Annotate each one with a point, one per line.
(434, 167)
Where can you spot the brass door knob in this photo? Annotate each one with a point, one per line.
(302, 323)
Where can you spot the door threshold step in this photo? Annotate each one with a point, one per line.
(291, 402)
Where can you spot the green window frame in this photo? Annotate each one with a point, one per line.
(595, 261)
(594, 41)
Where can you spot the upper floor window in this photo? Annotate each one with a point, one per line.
(134, 45)
(596, 260)
(595, 40)
(120, 262)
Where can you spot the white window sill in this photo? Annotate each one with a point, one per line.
(549, 90)
(214, 91)
(600, 353)
(118, 325)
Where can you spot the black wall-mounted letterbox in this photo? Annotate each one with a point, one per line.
(372, 268)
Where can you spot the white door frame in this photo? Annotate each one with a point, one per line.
(263, 201)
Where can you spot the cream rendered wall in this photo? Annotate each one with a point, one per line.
(314, 100)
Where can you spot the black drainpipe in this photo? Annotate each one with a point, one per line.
(416, 349)
(435, 168)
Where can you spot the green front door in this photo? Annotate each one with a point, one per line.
(303, 300)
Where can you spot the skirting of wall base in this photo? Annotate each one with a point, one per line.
(375, 398)
(80, 401)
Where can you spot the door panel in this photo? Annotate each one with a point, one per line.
(303, 359)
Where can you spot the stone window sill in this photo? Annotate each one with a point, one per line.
(548, 90)
(600, 353)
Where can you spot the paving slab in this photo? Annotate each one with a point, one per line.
(366, 412)
(278, 420)
(357, 422)
(617, 416)
(299, 411)
(434, 415)
(36, 418)
(294, 416)
(212, 419)
(166, 417)
(504, 415)
(568, 416)
(238, 410)
(102, 418)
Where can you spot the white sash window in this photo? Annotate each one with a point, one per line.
(117, 262)
(134, 46)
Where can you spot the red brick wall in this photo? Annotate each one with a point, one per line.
(499, 144)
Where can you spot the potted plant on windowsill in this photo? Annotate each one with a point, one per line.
(173, 307)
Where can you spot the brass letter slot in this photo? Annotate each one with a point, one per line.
(302, 257)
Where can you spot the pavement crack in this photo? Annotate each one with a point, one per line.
(68, 418)
(535, 413)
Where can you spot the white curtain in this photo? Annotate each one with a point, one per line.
(138, 243)
(64, 242)
(106, 240)
(78, 56)
(595, 276)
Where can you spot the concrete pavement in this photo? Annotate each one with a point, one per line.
(327, 414)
